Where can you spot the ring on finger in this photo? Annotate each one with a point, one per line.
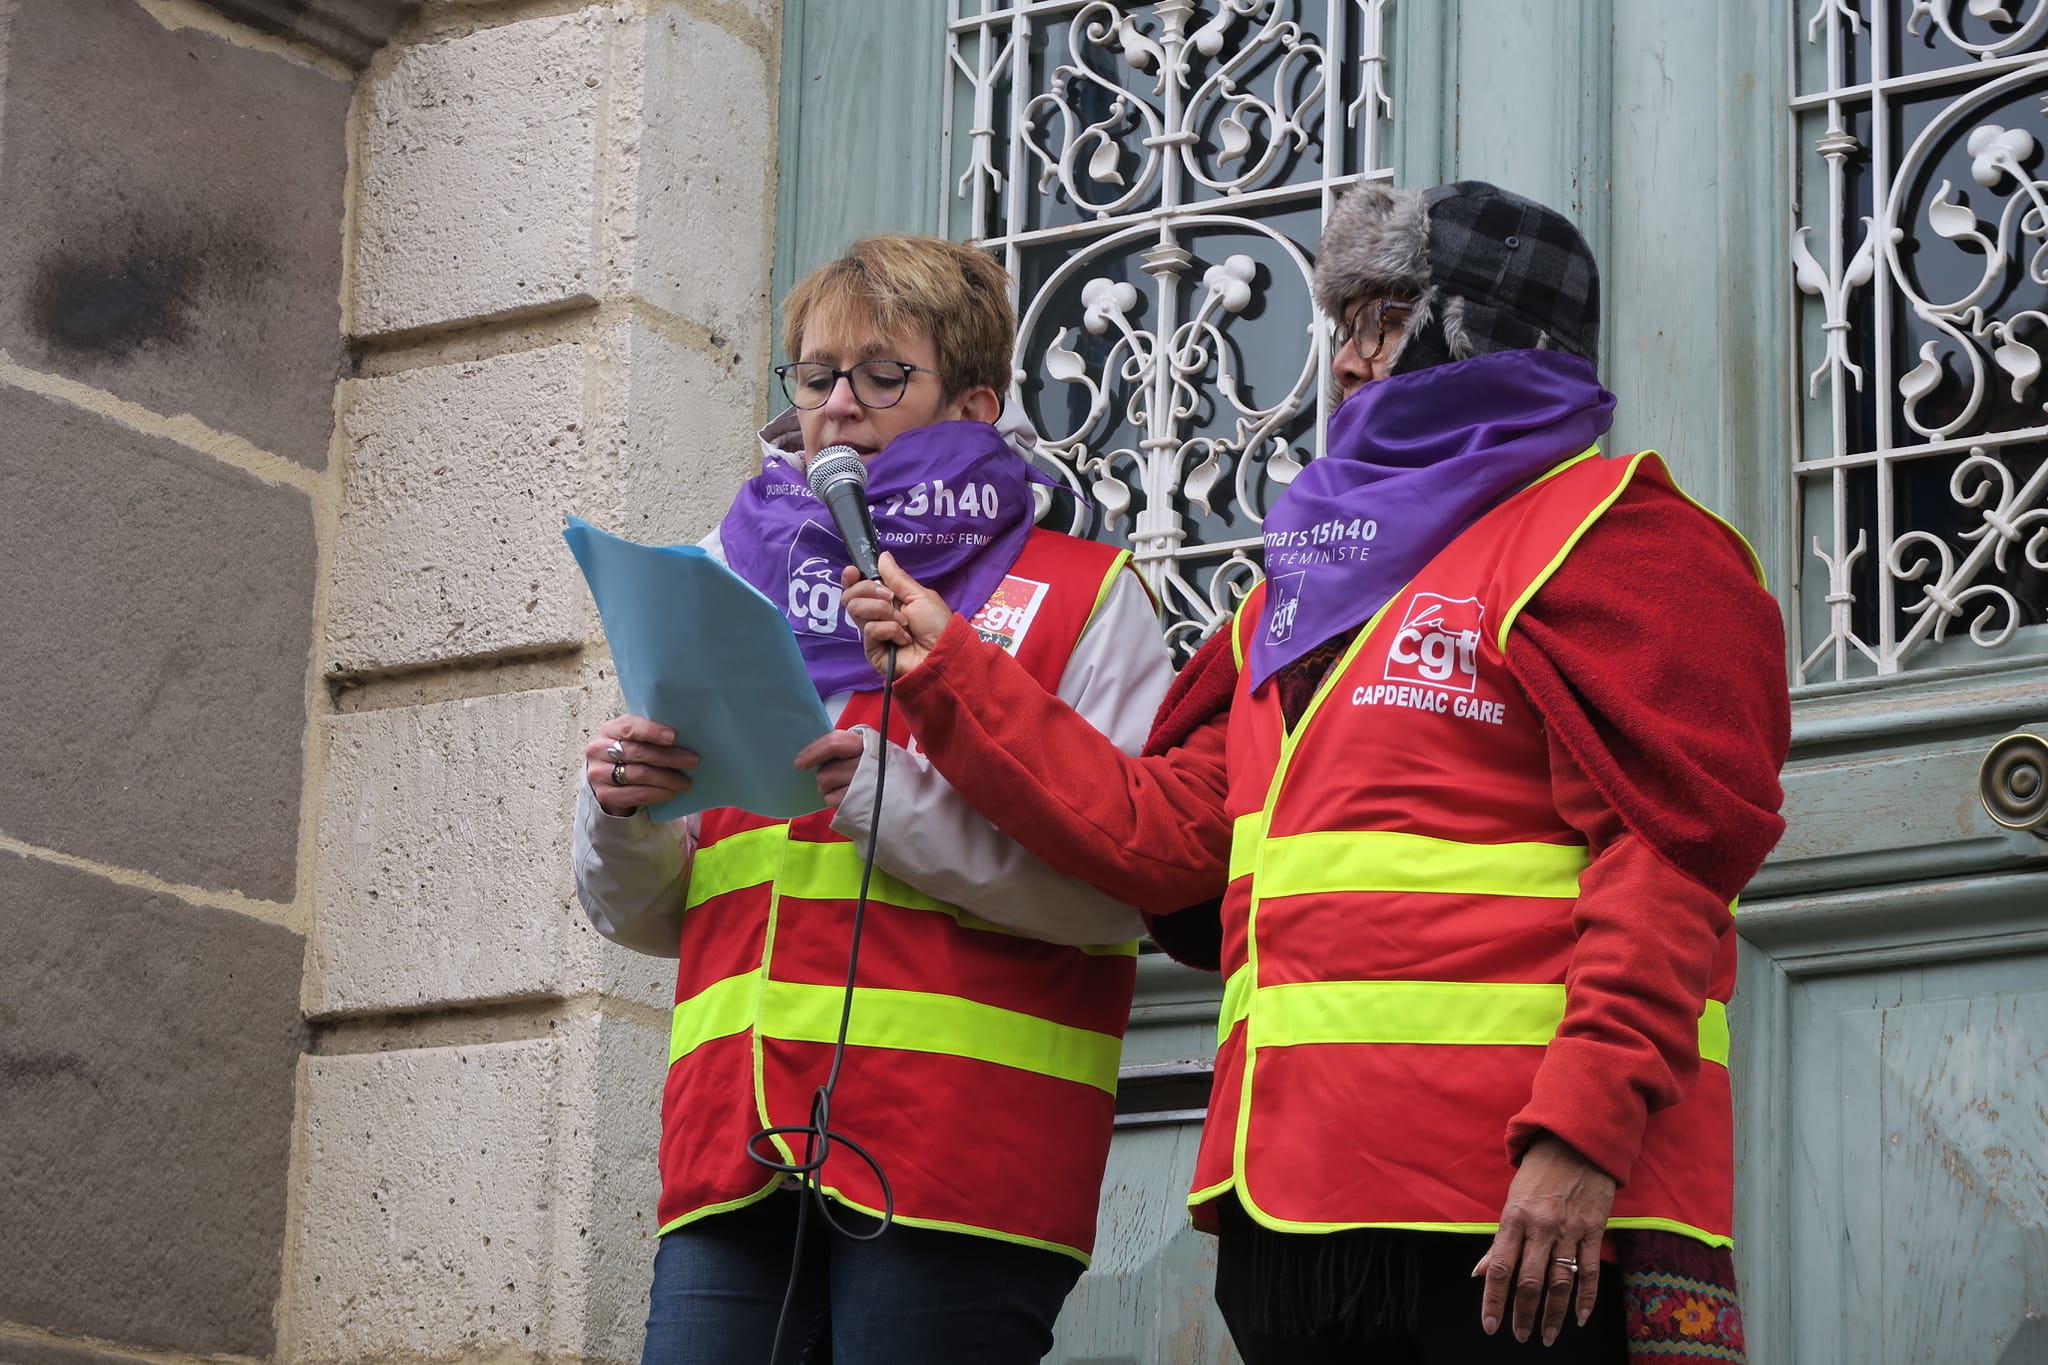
(618, 774)
(1570, 1263)
(615, 752)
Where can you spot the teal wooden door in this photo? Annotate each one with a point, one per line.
(1822, 225)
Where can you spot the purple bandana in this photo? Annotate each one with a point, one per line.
(1412, 461)
(952, 502)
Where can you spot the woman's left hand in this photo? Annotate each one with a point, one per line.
(1550, 1231)
(836, 755)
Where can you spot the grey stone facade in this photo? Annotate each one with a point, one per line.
(315, 317)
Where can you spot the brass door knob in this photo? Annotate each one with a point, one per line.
(2013, 783)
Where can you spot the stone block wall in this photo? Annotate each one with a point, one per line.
(314, 320)
(171, 214)
(556, 293)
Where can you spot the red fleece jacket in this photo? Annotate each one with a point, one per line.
(1657, 665)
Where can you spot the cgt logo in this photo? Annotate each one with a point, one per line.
(1438, 643)
(814, 561)
(1283, 603)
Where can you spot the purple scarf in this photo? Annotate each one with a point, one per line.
(1412, 461)
(951, 501)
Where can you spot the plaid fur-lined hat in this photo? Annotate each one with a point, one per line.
(1487, 271)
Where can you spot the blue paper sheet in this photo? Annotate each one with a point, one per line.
(700, 650)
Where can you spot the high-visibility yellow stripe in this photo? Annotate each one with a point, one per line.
(913, 1021)
(1506, 1014)
(1393, 860)
(720, 1010)
(1714, 1043)
(831, 872)
(1245, 833)
(811, 870)
(1237, 1002)
(749, 858)
(1389, 860)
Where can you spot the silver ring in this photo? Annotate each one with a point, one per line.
(1570, 1263)
(618, 774)
(615, 752)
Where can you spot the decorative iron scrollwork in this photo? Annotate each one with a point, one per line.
(1923, 263)
(1155, 174)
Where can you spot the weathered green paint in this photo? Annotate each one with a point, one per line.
(1750, 277)
(1893, 1156)
(1422, 64)
(1149, 1297)
(858, 137)
(1631, 118)
(1895, 921)
(1521, 121)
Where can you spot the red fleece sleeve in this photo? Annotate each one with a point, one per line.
(1658, 661)
(1149, 831)
(1629, 1042)
(1658, 665)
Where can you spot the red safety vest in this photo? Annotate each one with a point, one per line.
(1399, 916)
(981, 1065)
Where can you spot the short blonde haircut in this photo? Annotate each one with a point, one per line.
(900, 285)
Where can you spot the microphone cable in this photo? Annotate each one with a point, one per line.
(818, 1136)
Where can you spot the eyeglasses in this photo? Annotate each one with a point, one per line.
(876, 383)
(1369, 319)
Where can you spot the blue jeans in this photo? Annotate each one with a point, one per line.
(911, 1297)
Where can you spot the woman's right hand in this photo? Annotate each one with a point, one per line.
(897, 611)
(644, 769)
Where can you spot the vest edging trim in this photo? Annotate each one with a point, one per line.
(1268, 1221)
(1116, 566)
(1289, 738)
(727, 1207)
(757, 1053)
(1598, 510)
(935, 1225)
(1756, 563)
(966, 1229)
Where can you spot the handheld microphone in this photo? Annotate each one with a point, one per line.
(839, 479)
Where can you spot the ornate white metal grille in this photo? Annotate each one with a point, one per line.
(1922, 270)
(1155, 175)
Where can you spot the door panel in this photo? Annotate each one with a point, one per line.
(1919, 1210)
(1892, 1111)
(1148, 1299)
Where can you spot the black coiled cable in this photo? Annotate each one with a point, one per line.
(818, 1136)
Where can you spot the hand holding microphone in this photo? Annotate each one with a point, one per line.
(889, 606)
(895, 611)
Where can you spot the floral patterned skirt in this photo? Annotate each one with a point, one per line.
(1680, 1297)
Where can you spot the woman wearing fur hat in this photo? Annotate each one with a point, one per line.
(1458, 804)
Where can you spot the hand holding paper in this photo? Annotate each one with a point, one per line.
(632, 761)
(700, 651)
